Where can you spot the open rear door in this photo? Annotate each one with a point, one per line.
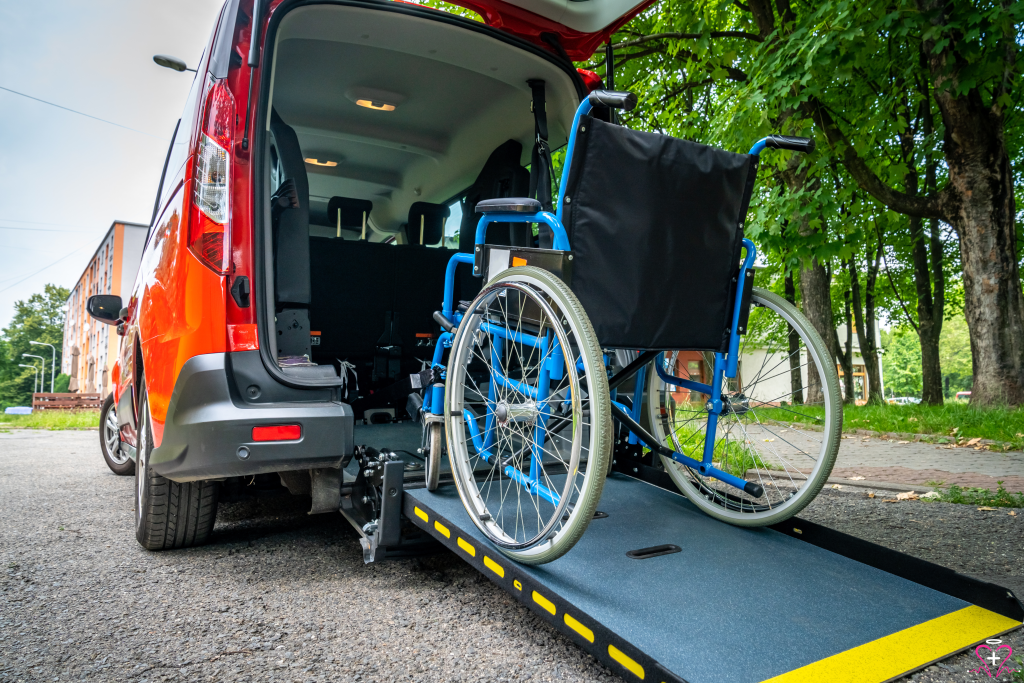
(579, 26)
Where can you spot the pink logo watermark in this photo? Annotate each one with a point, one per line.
(995, 656)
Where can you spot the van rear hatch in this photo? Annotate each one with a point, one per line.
(579, 26)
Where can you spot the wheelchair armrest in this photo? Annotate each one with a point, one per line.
(507, 204)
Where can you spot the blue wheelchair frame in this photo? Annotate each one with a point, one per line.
(725, 365)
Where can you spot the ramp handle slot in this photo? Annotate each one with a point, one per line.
(653, 551)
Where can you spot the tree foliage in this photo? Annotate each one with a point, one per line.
(38, 318)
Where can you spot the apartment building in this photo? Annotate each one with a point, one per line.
(90, 347)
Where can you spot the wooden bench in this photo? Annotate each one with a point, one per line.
(67, 401)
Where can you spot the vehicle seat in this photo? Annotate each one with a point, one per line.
(350, 214)
(426, 224)
(501, 176)
(291, 260)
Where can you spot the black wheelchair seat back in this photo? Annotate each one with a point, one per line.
(656, 225)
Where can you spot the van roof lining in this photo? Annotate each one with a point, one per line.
(463, 93)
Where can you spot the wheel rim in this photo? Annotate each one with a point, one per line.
(764, 435)
(503, 508)
(140, 468)
(112, 438)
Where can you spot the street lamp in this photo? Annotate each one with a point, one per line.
(42, 368)
(35, 376)
(53, 362)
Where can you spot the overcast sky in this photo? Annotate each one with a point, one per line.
(65, 178)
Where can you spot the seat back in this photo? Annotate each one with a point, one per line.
(348, 213)
(426, 223)
(291, 242)
(501, 176)
(656, 228)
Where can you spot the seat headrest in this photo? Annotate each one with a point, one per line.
(353, 212)
(426, 220)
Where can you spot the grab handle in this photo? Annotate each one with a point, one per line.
(616, 99)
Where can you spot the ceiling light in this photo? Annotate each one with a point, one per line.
(317, 162)
(378, 100)
(379, 106)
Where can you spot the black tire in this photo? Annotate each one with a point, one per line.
(117, 460)
(169, 514)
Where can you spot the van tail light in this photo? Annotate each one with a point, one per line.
(209, 229)
(591, 80)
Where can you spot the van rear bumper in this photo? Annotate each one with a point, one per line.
(209, 427)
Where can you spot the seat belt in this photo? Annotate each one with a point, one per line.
(541, 166)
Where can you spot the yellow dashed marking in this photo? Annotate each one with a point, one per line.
(626, 661)
(579, 628)
(495, 567)
(443, 529)
(467, 547)
(421, 514)
(518, 585)
(543, 602)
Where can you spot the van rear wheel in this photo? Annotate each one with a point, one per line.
(169, 514)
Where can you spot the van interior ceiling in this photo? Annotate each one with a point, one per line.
(380, 143)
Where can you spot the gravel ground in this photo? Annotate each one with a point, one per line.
(280, 595)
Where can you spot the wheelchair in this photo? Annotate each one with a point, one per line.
(648, 282)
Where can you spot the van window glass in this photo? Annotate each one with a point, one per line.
(452, 225)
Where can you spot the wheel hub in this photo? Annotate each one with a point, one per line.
(737, 404)
(516, 412)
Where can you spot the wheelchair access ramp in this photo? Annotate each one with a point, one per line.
(731, 605)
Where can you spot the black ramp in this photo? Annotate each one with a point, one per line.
(733, 606)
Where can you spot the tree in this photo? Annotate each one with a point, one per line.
(968, 66)
(39, 318)
(902, 361)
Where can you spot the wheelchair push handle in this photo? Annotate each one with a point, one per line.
(805, 145)
(615, 99)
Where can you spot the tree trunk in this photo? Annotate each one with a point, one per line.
(815, 291)
(929, 316)
(796, 383)
(979, 204)
(846, 357)
(928, 328)
(867, 323)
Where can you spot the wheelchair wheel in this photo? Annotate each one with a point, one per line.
(527, 415)
(435, 445)
(781, 424)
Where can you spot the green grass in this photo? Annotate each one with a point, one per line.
(52, 419)
(730, 455)
(953, 421)
(972, 496)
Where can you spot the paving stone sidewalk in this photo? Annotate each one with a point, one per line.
(917, 463)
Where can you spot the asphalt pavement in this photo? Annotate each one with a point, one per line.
(280, 595)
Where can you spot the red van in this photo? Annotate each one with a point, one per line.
(320, 179)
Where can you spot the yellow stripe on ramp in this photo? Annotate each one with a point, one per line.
(578, 627)
(894, 655)
(442, 528)
(494, 566)
(544, 602)
(421, 514)
(465, 545)
(626, 661)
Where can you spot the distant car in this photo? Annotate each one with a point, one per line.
(904, 400)
(963, 396)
